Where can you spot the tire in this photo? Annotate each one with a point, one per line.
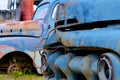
(109, 67)
(13, 68)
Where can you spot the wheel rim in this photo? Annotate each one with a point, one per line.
(13, 68)
(105, 68)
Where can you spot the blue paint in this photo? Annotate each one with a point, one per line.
(85, 11)
(94, 38)
(94, 10)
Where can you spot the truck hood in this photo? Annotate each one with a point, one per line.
(108, 38)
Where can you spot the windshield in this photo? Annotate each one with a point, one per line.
(41, 12)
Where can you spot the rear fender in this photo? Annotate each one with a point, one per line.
(4, 49)
(35, 57)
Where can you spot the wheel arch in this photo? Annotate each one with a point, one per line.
(22, 56)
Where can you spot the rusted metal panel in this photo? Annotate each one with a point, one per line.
(84, 38)
(5, 49)
(21, 37)
(23, 28)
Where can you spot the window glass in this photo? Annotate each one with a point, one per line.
(55, 11)
(41, 12)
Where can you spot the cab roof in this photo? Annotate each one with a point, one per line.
(86, 11)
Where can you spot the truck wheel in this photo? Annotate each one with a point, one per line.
(109, 67)
(13, 68)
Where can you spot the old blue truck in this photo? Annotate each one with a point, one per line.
(66, 40)
(80, 40)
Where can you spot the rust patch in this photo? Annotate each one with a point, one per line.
(72, 3)
(24, 24)
(62, 11)
(16, 27)
(4, 49)
(78, 2)
(1, 55)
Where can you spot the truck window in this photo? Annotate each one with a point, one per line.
(55, 11)
(41, 11)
